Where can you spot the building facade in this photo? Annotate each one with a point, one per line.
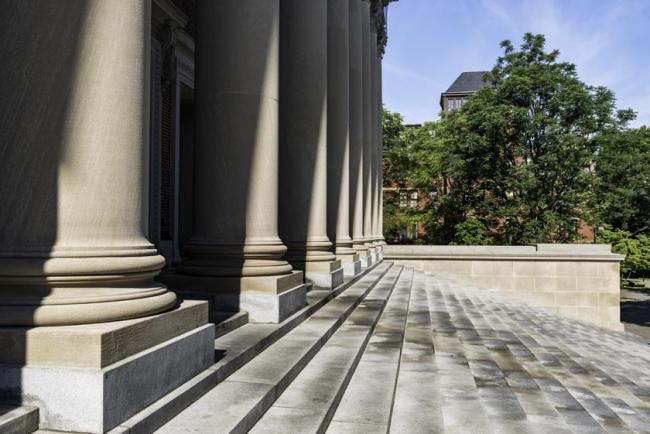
(159, 152)
(462, 88)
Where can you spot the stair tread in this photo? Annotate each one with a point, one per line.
(369, 395)
(234, 404)
(317, 388)
(417, 407)
(18, 419)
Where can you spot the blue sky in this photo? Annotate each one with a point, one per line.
(431, 41)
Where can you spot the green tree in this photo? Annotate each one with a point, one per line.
(520, 153)
(411, 162)
(635, 248)
(472, 232)
(623, 187)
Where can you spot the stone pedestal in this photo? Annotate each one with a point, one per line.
(303, 140)
(267, 299)
(90, 378)
(235, 226)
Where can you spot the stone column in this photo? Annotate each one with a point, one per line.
(380, 153)
(338, 134)
(74, 258)
(235, 227)
(380, 156)
(303, 141)
(73, 157)
(375, 139)
(356, 129)
(368, 126)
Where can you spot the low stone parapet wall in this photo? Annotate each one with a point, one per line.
(580, 281)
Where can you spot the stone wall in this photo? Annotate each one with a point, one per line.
(580, 281)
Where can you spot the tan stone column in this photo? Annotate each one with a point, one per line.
(380, 153)
(356, 129)
(338, 134)
(375, 138)
(235, 225)
(303, 141)
(368, 126)
(73, 158)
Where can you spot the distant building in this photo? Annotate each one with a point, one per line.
(465, 85)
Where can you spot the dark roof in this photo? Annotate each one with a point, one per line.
(470, 81)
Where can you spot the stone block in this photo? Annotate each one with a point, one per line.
(352, 268)
(97, 345)
(588, 314)
(609, 314)
(523, 283)
(555, 283)
(503, 283)
(262, 306)
(535, 268)
(449, 268)
(576, 268)
(568, 311)
(94, 400)
(593, 284)
(265, 298)
(325, 280)
(537, 298)
(611, 270)
(609, 299)
(576, 298)
(492, 268)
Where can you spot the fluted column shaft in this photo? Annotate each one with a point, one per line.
(338, 126)
(380, 129)
(356, 127)
(303, 131)
(376, 221)
(235, 224)
(374, 135)
(73, 156)
(368, 123)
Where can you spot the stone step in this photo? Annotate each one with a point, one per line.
(232, 351)
(18, 420)
(225, 322)
(417, 406)
(367, 401)
(235, 404)
(309, 402)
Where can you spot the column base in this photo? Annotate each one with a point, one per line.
(90, 378)
(372, 254)
(267, 299)
(322, 275)
(351, 264)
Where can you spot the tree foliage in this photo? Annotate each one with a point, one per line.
(521, 151)
(635, 248)
(524, 160)
(623, 175)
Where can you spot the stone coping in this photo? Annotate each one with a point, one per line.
(534, 252)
